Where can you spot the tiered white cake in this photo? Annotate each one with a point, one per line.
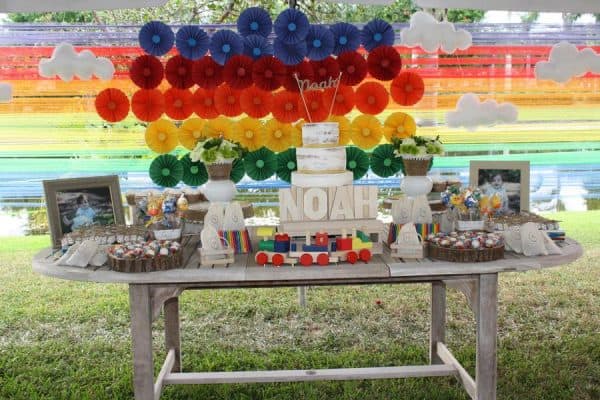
(321, 161)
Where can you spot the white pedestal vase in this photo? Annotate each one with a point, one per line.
(416, 182)
(219, 186)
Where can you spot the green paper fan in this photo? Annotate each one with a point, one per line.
(404, 172)
(286, 164)
(237, 170)
(384, 162)
(194, 173)
(357, 161)
(166, 170)
(260, 164)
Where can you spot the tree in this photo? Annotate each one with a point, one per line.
(530, 17)
(223, 11)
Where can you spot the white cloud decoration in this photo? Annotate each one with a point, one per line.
(425, 31)
(566, 62)
(5, 92)
(67, 63)
(471, 113)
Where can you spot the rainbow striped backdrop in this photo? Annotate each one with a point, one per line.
(238, 240)
(422, 229)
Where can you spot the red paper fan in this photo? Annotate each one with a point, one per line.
(407, 88)
(206, 73)
(204, 103)
(384, 63)
(238, 72)
(304, 70)
(371, 98)
(344, 99)
(146, 72)
(227, 101)
(255, 102)
(317, 109)
(326, 69)
(112, 105)
(268, 73)
(178, 72)
(286, 106)
(148, 104)
(353, 67)
(179, 103)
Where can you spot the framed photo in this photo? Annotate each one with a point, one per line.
(507, 179)
(82, 202)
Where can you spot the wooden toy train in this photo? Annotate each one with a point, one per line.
(279, 249)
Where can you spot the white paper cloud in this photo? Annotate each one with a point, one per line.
(5, 92)
(566, 62)
(67, 63)
(470, 112)
(425, 31)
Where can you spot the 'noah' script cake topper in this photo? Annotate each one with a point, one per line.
(306, 84)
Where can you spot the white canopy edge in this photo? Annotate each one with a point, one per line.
(10, 6)
(576, 6)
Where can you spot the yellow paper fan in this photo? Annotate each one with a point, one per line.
(400, 125)
(161, 136)
(249, 133)
(190, 132)
(218, 127)
(345, 128)
(280, 136)
(366, 131)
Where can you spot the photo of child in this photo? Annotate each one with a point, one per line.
(83, 208)
(505, 184)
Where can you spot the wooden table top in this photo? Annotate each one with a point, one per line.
(246, 273)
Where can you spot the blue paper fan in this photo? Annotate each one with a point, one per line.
(291, 26)
(254, 21)
(319, 42)
(156, 38)
(192, 42)
(377, 33)
(225, 44)
(289, 54)
(346, 37)
(256, 46)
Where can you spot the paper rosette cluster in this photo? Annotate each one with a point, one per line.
(253, 86)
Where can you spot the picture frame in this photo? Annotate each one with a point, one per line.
(509, 179)
(77, 203)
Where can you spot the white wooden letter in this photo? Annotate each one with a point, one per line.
(315, 204)
(365, 202)
(340, 203)
(290, 204)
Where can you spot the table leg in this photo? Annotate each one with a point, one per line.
(172, 333)
(487, 320)
(438, 320)
(141, 336)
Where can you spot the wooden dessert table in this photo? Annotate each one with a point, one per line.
(152, 291)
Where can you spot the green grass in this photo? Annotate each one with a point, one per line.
(69, 340)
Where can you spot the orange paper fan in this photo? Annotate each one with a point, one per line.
(112, 105)
(371, 98)
(148, 104)
(255, 102)
(343, 102)
(407, 88)
(327, 68)
(178, 72)
(314, 103)
(227, 100)
(178, 103)
(204, 103)
(286, 106)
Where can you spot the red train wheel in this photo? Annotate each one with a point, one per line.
(323, 259)
(277, 260)
(306, 260)
(352, 257)
(262, 258)
(365, 255)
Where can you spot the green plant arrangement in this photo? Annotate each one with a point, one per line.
(217, 151)
(418, 146)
